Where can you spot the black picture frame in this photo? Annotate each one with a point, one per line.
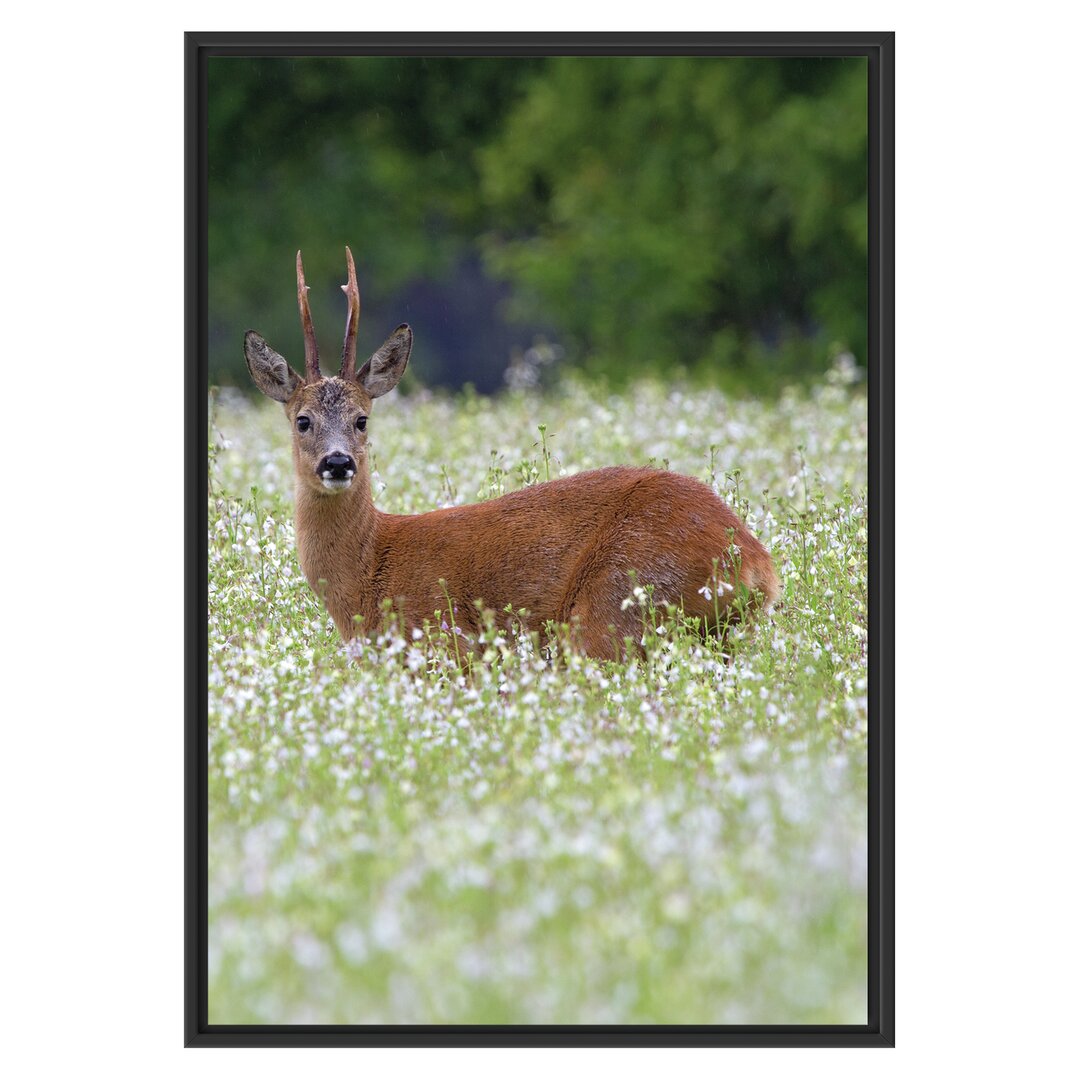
(878, 49)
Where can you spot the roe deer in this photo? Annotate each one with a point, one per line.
(562, 550)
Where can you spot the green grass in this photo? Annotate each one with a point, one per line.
(678, 839)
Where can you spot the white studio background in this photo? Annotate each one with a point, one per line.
(986, 392)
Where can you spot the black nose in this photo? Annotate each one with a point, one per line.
(337, 467)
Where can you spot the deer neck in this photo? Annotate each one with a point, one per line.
(335, 536)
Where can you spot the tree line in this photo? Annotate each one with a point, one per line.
(639, 214)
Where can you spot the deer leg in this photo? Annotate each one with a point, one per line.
(599, 626)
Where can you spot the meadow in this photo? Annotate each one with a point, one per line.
(399, 834)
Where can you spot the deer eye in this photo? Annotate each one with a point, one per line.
(303, 423)
(361, 423)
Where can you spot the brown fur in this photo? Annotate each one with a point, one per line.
(563, 550)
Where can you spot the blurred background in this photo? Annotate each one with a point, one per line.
(699, 217)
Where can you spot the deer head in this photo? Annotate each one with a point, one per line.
(328, 414)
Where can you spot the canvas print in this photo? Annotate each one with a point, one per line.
(537, 491)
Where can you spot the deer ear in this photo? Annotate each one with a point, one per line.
(387, 364)
(269, 371)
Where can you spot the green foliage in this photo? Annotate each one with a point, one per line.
(316, 153)
(688, 211)
(648, 213)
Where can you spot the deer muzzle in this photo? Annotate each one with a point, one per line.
(336, 471)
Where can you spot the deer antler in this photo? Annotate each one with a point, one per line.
(352, 320)
(311, 350)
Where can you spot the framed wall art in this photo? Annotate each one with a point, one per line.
(540, 539)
